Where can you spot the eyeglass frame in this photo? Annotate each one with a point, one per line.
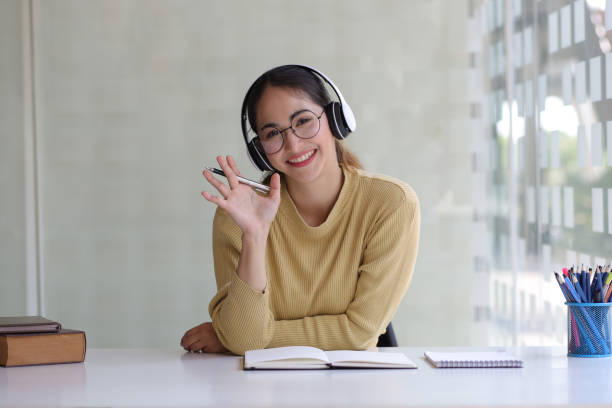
(282, 132)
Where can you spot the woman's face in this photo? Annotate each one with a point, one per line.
(303, 160)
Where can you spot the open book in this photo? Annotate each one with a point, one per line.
(304, 357)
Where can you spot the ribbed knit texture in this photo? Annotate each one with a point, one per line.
(335, 286)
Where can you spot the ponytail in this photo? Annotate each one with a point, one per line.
(346, 158)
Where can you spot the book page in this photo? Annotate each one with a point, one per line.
(302, 354)
(368, 357)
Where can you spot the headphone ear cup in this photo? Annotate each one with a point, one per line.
(335, 118)
(257, 155)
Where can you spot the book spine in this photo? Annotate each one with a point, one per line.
(42, 349)
(3, 351)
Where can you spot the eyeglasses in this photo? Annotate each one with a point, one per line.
(305, 124)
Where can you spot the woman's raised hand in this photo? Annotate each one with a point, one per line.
(252, 212)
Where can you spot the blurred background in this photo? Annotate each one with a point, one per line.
(109, 110)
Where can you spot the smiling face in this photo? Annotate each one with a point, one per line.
(300, 160)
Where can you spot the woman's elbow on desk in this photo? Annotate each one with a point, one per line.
(238, 343)
(240, 347)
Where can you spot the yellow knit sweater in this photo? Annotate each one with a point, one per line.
(335, 286)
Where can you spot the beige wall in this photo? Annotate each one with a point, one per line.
(12, 221)
(135, 97)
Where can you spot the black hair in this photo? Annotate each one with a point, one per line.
(286, 76)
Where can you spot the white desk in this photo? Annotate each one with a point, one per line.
(170, 377)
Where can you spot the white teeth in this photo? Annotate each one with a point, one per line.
(302, 157)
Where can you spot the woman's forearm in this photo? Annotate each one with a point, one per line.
(252, 261)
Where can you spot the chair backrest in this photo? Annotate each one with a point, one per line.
(387, 339)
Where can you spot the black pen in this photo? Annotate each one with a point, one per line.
(259, 187)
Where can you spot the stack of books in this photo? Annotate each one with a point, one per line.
(32, 340)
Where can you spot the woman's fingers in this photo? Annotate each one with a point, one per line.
(187, 341)
(201, 338)
(198, 345)
(229, 173)
(215, 199)
(223, 189)
(189, 336)
(232, 163)
(194, 339)
(275, 186)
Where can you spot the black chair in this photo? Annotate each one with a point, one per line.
(387, 339)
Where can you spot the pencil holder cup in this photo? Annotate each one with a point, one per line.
(588, 329)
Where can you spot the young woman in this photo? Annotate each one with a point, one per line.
(325, 258)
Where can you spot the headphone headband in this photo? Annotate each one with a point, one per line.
(340, 117)
(349, 117)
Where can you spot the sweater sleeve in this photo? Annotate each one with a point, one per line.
(240, 315)
(384, 276)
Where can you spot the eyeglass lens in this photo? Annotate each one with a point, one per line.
(305, 125)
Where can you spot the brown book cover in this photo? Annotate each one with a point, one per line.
(27, 324)
(65, 346)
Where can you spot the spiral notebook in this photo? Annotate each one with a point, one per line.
(469, 359)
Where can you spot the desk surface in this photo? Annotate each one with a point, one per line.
(170, 377)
